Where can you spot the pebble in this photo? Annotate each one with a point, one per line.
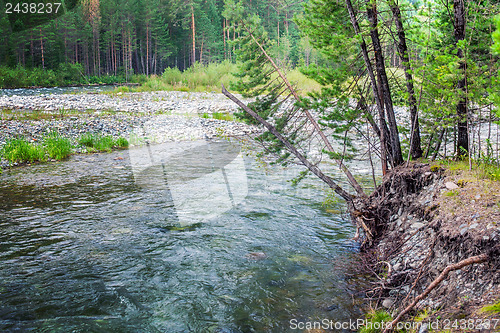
(387, 303)
(451, 186)
(417, 225)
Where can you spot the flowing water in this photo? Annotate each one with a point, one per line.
(184, 237)
(55, 90)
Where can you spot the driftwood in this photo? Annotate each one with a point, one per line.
(444, 274)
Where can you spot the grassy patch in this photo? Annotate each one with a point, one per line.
(219, 116)
(98, 142)
(492, 308)
(375, 320)
(57, 147)
(303, 84)
(121, 143)
(198, 78)
(453, 193)
(8, 114)
(21, 151)
(479, 170)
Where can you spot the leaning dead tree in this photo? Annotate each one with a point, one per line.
(312, 167)
(293, 127)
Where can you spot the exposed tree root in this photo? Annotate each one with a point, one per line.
(444, 274)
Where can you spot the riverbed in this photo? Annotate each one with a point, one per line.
(175, 235)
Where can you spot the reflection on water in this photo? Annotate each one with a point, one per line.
(101, 244)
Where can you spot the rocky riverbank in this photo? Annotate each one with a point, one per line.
(153, 117)
(423, 219)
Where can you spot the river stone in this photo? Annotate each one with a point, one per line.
(417, 225)
(451, 186)
(424, 328)
(387, 303)
(256, 255)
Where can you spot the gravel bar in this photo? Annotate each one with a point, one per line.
(152, 117)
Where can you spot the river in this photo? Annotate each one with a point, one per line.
(178, 237)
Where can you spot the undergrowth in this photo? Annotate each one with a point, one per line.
(66, 74)
(206, 78)
(376, 321)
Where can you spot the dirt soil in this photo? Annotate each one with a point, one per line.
(422, 219)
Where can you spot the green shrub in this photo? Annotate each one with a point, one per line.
(69, 73)
(21, 151)
(57, 147)
(13, 77)
(172, 76)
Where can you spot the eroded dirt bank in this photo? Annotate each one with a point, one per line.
(421, 220)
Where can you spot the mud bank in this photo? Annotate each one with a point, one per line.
(421, 220)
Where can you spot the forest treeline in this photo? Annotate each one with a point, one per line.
(137, 37)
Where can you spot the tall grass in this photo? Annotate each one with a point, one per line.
(57, 147)
(98, 142)
(303, 84)
(20, 150)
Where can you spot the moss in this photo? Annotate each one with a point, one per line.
(435, 168)
(452, 193)
(462, 182)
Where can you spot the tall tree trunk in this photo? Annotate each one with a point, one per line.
(371, 11)
(373, 83)
(130, 49)
(224, 37)
(201, 50)
(32, 49)
(415, 148)
(41, 46)
(155, 55)
(147, 48)
(462, 114)
(193, 32)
